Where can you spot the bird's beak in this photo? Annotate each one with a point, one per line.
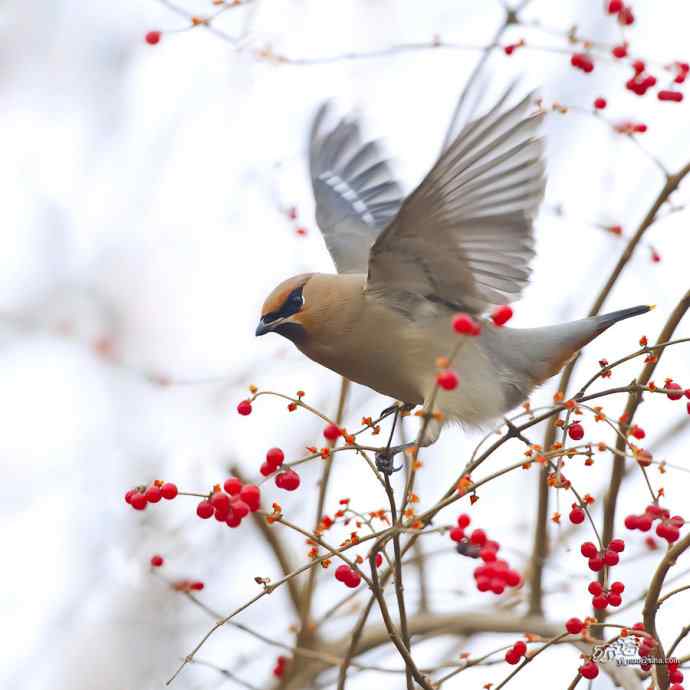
(264, 327)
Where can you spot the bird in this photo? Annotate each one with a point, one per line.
(461, 242)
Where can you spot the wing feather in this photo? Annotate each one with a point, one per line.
(465, 236)
(355, 193)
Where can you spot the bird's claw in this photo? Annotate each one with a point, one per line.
(384, 462)
(396, 407)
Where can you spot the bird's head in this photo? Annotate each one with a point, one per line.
(285, 310)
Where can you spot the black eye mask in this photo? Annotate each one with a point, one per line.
(293, 303)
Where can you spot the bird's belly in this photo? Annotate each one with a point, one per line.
(378, 369)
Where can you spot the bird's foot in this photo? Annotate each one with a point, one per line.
(396, 407)
(385, 461)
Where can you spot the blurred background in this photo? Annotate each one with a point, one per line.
(145, 192)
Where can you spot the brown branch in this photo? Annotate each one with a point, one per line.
(276, 547)
(540, 546)
(308, 593)
(651, 603)
(634, 399)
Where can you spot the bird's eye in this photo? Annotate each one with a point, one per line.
(293, 303)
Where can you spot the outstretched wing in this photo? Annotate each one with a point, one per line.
(464, 237)
(356, 195)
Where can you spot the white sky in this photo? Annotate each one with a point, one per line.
(141, 194)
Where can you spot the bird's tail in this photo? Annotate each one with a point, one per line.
(552, 347)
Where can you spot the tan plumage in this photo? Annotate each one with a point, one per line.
(462, 241)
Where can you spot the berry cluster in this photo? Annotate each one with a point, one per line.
(582, 61)
(668, 527)
(496, 573)
(141, 496)
(624, 12)
(348, 576)
(607, 557)
(516, 652)
(232, 504)
(274, 459)
(602, 597)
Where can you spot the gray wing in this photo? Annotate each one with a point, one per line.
(464, 236)
(356, 195)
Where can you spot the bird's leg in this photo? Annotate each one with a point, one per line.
(397, 406)
(384, 457)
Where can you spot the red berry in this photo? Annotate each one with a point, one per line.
(353, 579)
(487, 555)
(153, 494)
(600, 602)
(615, 6)
(595, 588)
(288, 480)
(512, 657)
(513, 578)
(617, 587)
(457, 533)
(610, 557)
(448, 380)
(478, 537)
(331, 432)
(204, 510)
(614, 599)
(574, 626)
(138, 501)
(153, 37)
(675, 676)
(577, 515)
(378, 560)
(638, 432)
(342, 572)
(239, 508)
(575, 431)
(497, 586)
(483, 584)
(644, 523)
(589, 670)
(626, 16)
(266, 469)
(244, 408)
(520, 647)
(617, 545)
(156, 561)
(464, 520)
(588, 550)
(275, 457)
(251, 495)
(129, 494)
(233, 520)
(220, 502)
(631, 521)
(595, 564)
(620, 51)
(232, 486)
(169, 491)
(600, 103)
(671, 385)
(466, 325)
(198, 586)
(502, 314)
